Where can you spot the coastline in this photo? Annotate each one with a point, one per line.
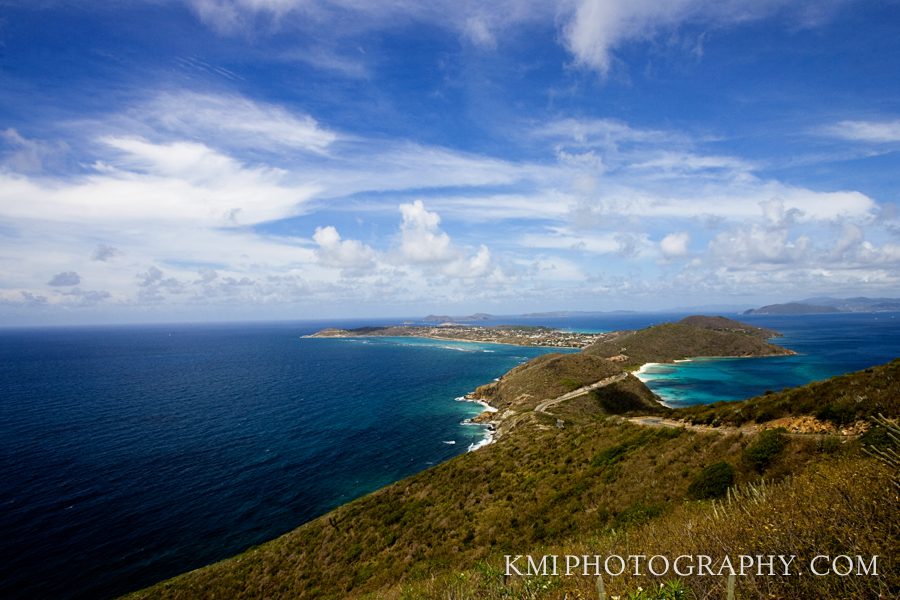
(490, 427)
(440, 339)
(447, 339)
(510, 335)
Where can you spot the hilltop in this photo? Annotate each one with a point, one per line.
(691, 337)
(571, 475)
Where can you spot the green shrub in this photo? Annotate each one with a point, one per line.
(765, 448)
(712, 482)
(610, 455)
(839, 412)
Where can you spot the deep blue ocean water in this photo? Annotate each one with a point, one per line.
(131, 454)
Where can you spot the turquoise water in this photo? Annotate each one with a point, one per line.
(828, 345)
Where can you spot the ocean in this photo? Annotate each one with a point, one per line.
(130, 454)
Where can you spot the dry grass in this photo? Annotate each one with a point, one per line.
(847, 507)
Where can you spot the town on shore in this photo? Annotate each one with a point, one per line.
(518, 335)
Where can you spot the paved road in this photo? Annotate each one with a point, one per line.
(543, 406)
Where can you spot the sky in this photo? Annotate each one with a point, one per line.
(195, 160)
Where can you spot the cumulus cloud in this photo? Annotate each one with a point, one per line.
(421, 239)
(333, 251)
(759, 245)
(154, 285)
(474, 267)
(851, 237)
(30, 299)
(66, 278)
(675, 245)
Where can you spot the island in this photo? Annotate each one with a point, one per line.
(587, 462)
(825, 304)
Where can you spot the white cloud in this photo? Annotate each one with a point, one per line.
(851, 237)
(592, 29)
(421, 239)
(865, 131)
(675, 245)
(232, 121)
(563, 239)
(555, 269)
(177, 203)
(604, 133)
(144, 181)
(24, 155)
(761, 244)
(333, 251)
(477, 266)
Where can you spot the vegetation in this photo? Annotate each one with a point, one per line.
(840, 401)
(545, 377)
(723, 324)
(712, 482)
(675, 341)
(630, 396)
(765, 449)
(825, 508)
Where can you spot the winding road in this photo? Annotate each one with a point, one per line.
(543, 406)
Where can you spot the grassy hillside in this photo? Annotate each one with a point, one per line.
(674, 341)
(724, 324)
(545, 377)
(825, 509)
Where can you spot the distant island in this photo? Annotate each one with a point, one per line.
(449, 319)
(822, 305)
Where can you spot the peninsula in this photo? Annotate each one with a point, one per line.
(587, 462)
(517, 335)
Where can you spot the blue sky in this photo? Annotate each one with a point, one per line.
(271, 159)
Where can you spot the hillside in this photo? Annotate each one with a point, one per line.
(837, 402)
(692, 337)
(596, 485)
(725, 324)
(544, 377)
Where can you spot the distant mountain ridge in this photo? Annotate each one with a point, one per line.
(449, 319)
(825, 304)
